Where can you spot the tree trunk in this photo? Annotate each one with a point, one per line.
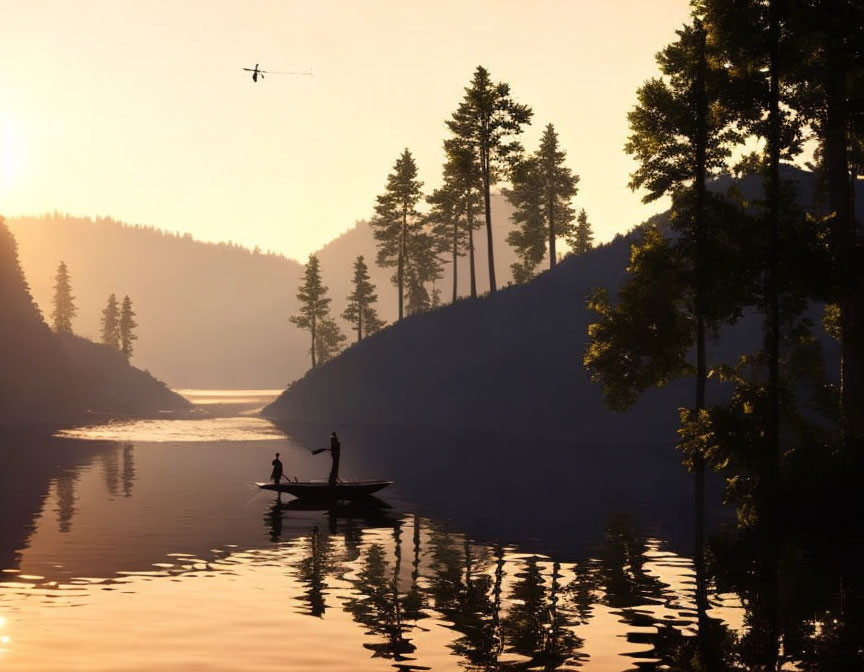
(471, 252)
(843, 229)
(314, 333)
(772, 332)
(455, 257)
(484, 160)
(401, 268)
(360, 309)
(552, 259)
(700, 221)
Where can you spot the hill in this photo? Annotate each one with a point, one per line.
(506, 363)
(212, 315)
(509, 362)
(53, 379)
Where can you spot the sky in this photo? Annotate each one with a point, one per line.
(140, 110)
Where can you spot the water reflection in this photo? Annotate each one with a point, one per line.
(119, 531)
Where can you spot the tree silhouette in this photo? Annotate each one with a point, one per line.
(64, 301)
(581, 238)
(127, 327)
(360, 310)
(328, 339)
(483, 124)
(111, 323)
(314, 313)
(396, 222)
(455, 205)
(542, 189)
(680, 130)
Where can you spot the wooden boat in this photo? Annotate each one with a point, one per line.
(322, 490)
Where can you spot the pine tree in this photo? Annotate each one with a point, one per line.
(582, 238)
(761, 44)
(111, 323)
(483, 124)
(676, 288)
(455, 206)
(528, 238)
(424, 267)
(64, 301)
(314, 313)
(127, 327)
(542, 190)
(328, 339)
(360, 310)
(396, 221)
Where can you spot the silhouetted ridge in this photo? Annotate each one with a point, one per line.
(510, 362)
(211, 314)
(50, 378)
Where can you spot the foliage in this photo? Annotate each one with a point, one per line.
(632, 348)
(542, 190)
(127, 327)
(328, 340)
(64, 301)
(360, 310)
(402, 242)
(456, 204)
(581, 238)
(111, 323)
(484, 124)
(314, 314)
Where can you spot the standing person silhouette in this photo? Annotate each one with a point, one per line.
(335, 449)
(276, 474)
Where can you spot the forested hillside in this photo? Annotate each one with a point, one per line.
(50, 378)
(213, 315)
(209, 315)
(513, 361)
(510, 361)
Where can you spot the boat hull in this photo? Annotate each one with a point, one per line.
(322, 490)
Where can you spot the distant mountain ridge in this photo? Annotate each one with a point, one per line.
(214, 315)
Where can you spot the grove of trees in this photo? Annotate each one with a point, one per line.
(776, 76)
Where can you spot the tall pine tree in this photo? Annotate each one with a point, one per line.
(542, 190)
(677, 288)
(463, 187)
(64, 301)
(484, 124)
(397, 222)
(360, 311)
(111, 323)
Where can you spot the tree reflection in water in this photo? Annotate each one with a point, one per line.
(379, 606)
(799, 607)
(537, 627)
(313, 570)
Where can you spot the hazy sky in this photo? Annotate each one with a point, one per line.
(140, 110)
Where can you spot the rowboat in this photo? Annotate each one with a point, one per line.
(322, 490)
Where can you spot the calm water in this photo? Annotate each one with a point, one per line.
(144, 545)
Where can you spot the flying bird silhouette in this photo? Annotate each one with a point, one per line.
(258, 73)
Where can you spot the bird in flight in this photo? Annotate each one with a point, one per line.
(258, 73)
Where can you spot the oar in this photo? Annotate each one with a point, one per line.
(320, 450)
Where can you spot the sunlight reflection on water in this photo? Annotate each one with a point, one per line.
(171, 431)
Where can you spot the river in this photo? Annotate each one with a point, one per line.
(145, 545)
